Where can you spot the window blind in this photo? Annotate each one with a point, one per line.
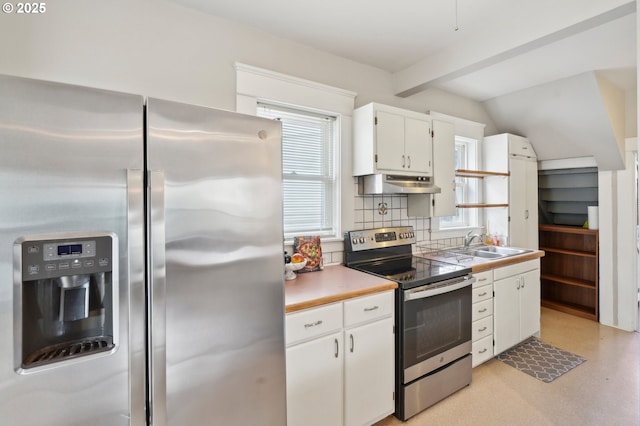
(308, 170)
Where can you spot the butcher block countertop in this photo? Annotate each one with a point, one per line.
(332, 284)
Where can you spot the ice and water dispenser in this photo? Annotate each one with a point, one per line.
(65, 298)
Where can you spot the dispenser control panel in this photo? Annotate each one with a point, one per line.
(56, 251)
(68, 293)
(43, 259)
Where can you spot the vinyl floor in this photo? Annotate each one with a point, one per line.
(605, 390)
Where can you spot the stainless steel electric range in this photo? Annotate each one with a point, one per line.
(433, 315)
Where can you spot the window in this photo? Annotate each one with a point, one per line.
(466, 188)
(309, 172)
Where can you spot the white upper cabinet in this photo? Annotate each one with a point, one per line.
(444, 176)
(392, 140)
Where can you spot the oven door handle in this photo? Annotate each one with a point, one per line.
(422, 292)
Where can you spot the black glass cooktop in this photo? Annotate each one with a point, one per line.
(412, 271)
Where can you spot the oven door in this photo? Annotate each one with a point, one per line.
(436, 326)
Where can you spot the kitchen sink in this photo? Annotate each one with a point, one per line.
(478, 253)
(505, 251)
(490, 252)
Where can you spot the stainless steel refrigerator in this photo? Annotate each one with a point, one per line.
(141, 269)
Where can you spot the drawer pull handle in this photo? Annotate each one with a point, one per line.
(313, 324)
(351, 337)
(482, 351)
(336, 342)
(482, 279)
(371, 309)
(482, 294)
(482, 310)
(482, 329)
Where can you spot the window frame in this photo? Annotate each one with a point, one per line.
(254, 84)
(469, 187)
(332, 178)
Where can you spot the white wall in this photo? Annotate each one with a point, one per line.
(618, 256)
(157, 48)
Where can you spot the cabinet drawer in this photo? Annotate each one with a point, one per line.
(482, 309)
(482, 328)
(515, 269)
(482, 350)
(312, 323)
(483, 278)
(482, 293)
(368, 308)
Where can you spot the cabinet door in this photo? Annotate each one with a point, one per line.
(314, 382)
(390, 141)
(369, 373)
(418, 148)
(506, 313)
(529, 304)
(531, 212)
(518, 203)
(444, 145)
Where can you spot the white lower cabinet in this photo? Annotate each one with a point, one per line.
(314, 382)
(516, 304)
(340, 362)
(368, 393)
(482, 317)
(506, 308)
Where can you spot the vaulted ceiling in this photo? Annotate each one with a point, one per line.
(511, 55)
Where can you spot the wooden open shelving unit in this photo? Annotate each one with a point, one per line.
(479, 206)
(479, 174)
(569, 269)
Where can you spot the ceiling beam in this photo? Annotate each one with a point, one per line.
(450, 64)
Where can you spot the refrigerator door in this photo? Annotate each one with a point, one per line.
(217, 304)
(71, 167)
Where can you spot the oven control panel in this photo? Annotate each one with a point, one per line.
(367, 239)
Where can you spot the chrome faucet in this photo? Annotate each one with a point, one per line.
(469, 238)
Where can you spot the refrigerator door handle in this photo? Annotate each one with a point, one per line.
(136, 277)
(157, 297)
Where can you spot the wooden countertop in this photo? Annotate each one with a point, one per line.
(332, 284)
(336, 283)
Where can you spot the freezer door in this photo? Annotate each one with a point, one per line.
(71, 164)
(216, 267)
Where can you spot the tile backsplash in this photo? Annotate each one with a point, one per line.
(378, 211)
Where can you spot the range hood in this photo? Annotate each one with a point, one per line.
(396, 184)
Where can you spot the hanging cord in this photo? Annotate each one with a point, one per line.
(456, 28)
